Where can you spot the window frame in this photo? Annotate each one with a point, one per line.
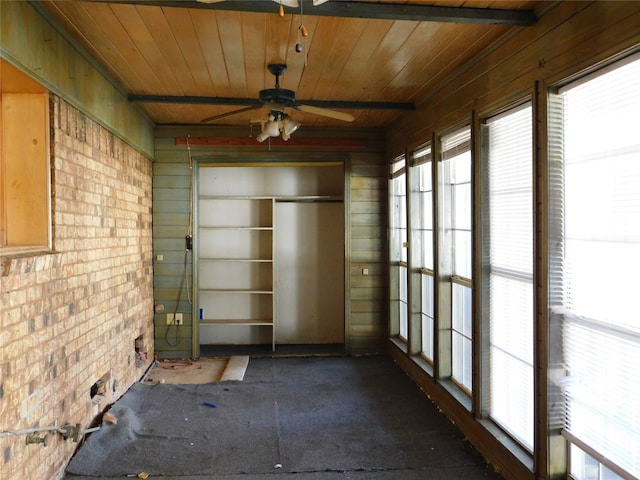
(423, 272)
(510, 274)
(448, 280)
(398, 254)
(560, 314)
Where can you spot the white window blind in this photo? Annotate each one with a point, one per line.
(508, 144)
(398, 241)
(456, 177)
(398, 220)
(422, 161)
(600, 276)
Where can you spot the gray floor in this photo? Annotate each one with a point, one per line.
(302, 418)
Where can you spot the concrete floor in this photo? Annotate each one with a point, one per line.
(303, 418)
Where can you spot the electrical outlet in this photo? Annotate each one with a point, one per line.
(174, 319)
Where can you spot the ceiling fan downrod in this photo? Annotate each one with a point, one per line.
(277, 69)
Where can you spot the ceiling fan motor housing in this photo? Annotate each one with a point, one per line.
(278, 95)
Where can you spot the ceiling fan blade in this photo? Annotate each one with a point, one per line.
(319, 2)
(209, 1)
(325, 112)
(228, 114)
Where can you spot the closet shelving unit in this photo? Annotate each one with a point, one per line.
(237, 252)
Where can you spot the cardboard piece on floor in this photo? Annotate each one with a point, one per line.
(203, 370)
(236, 367)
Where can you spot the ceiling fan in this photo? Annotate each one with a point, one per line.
(276, 100)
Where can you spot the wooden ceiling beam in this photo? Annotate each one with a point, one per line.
(354, 9)
(203, 100)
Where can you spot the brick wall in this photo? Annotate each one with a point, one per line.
(71, 317)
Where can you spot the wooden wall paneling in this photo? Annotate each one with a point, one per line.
(508, 71)
(437, 72)
(103, 20)
(140, 31)
(66, 10)
(172, 69)
(13, 80)
(361, 55)
(442, 106)
(391, 46)
(65, 72)
(205, 25)
(25, 153)
(500, 58)
(3, 201)
(255, 56)
(278, 42)
(171, 205)
(320, 42)
(231, 30)
(338, 49)
(596, 44)
(180, 22)
(368, 293)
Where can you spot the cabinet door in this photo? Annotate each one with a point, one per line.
(309, 272)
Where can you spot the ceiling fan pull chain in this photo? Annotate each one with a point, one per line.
(302, 31)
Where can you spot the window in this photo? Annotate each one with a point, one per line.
(508, 247)
(596, 161)
(398, 249)
(455, 175)
(422, 162)
(25, 207)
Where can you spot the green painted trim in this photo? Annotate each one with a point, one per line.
(76, 46)
(195, 254)
(34, 45)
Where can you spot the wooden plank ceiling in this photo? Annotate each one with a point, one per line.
(197, 50)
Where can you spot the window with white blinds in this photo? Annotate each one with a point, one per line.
(456, 178)
(398, 242)
(507, 143)
(598, 272)
(422, 162)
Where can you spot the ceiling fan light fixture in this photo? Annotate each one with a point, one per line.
(270, 129)
(280, 124)
(289, 125)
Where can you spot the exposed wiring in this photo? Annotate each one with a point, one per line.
(184, 278)
(176, 364)
(175, 310)
(190, 227)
